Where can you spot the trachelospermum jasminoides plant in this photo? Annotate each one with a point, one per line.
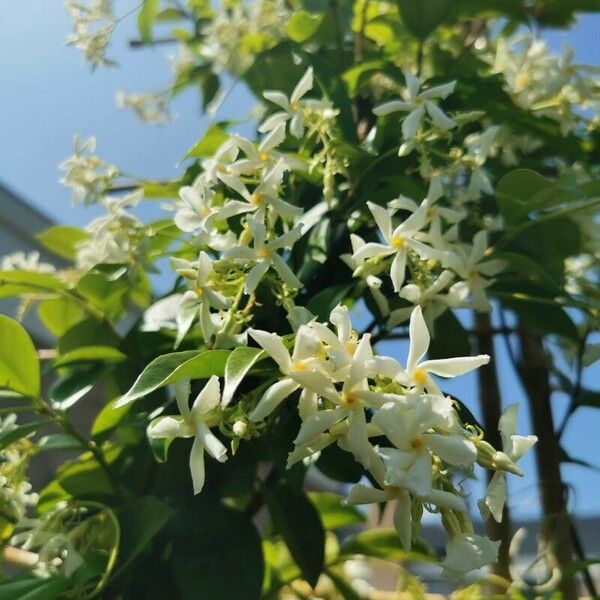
(380, 182)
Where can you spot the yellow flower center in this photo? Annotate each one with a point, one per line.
(417, 444)
(265, 253)
(420, 376)
(256, 199)
(221, 168)
(294, 106)
(199, 292)
(349, 399)
(431, 263)
(397, 242)
(523, 79)
(299, 366)
(264, 156)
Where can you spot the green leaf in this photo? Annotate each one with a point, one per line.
(337, 464)
(221, 557)
(422, 17)
(210, 142)
(62, 240)
(140, 521)
(73, 386)
(90, 354)
(381, 543)
(450, 339)
(16, 283)
(298, 521)
(303, 25)
(108, 418)
(168, 368)
(544, 318)
(239, 362)
(322, 303)
(34, 588)
(60, 314)
(334, 513)
(59, 441)
(19, 364)
(146, 18)
(515, 191)
(9, 436)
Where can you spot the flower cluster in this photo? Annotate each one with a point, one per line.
(93, 25)
(550, 85)
(393, 419)
(151, 108)
(242, 187)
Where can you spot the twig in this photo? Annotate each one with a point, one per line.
(576, 392)
(156, 42)
(22, 559)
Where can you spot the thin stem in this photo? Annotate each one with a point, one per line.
(155, 42)
(576, 391)
(89, 445)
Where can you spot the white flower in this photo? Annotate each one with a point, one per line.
(468, 552)
(152, 108)
(200, 299)
(473, 269)
(303, 358)
(292, 107)
(193, 423)
(430, 299)
(88, 176)
(362, 494)
(340, 346)
(264, 256)
(398, 241)
(408, 423)
(417, 374)
(265, 195)
(19, 261)
(219, 162)
(93, 26)
(346, 422)
(162, 314)
(264, 155)
(417, 104)
(196, 208)
(479, 146)
(514, 447)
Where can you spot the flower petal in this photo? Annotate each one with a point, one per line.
(419, 339)
(274, 395)
(451, 367)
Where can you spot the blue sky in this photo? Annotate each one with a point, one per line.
(48, 95)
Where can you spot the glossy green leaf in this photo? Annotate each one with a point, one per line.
(239, 362)
(19, 364)
(62, 240)
(146, 18)
(140, 521)
(60, 314)
(34, 588)
(303, 25)
(209, 143)
(300, 528)
(334, 513)
(168, 368)
(90, 354)
(422, 17)
(221, 557)
(381, 543)
(16, 283)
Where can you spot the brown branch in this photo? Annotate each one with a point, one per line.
(555, 530)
